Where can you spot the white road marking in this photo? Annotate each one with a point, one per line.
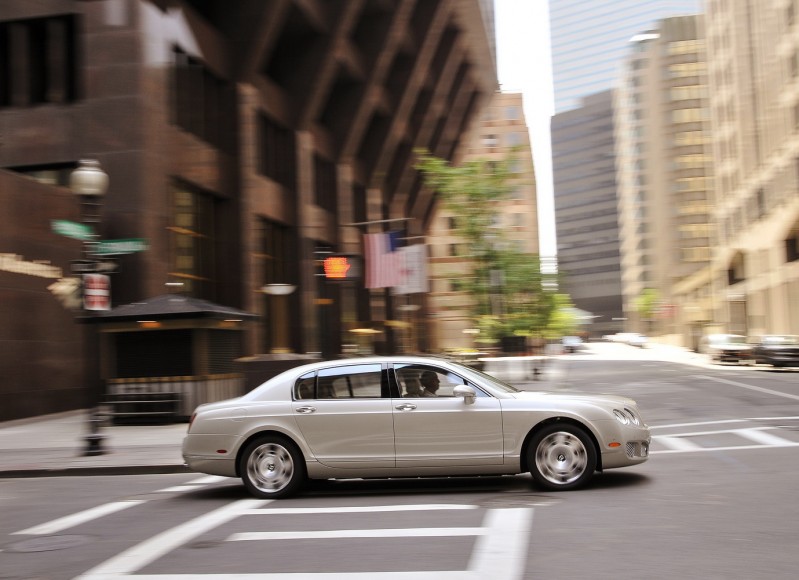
(193, 484)
(759, 436)
(677, 443)
(370, 533)
(426, 575)
(365, 509)
(61, 524)
(500, 550)
(728, 448)
(143, 554)
(723, 421)
(750, 387)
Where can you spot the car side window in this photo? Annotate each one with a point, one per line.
(416, 380)
(305, 387)
(350, 382)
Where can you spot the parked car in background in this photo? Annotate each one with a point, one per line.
(635, 339)
(366, 417)
(779, 350)
(726, 348)
(572, 343)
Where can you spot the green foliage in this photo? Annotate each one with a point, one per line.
(563, 321)
(647, 303)
(509, 293)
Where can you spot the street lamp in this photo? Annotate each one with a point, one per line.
(279, 319)
(89, 182)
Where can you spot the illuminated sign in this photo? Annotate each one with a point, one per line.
(342, 267)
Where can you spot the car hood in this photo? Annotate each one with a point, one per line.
(589, 398)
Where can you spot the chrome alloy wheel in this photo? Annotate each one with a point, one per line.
(561, 458)
(270, 467)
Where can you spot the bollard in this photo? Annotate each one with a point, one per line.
(94, 439)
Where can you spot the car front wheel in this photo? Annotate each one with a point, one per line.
(272, 467)
(561, 457)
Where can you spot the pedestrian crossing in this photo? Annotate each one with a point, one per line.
(730, 438)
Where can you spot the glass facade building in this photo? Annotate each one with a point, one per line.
(589, 40)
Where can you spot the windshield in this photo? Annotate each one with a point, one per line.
(493, 382)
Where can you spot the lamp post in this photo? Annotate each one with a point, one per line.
(89, 182)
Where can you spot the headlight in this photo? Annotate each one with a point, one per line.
(633, 417)
(621, 417)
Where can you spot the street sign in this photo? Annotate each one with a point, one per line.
(93, 266)
(83, 266)
(72, 230)
(115, 247)
(96, 292)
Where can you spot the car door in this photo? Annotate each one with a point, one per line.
(345, 415)
(442, 430)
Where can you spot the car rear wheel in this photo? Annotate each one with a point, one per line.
(272, 467)
(561, 457)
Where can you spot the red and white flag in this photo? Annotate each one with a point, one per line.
(383, 261)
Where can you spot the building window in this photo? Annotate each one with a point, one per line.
(277, 155)
(192, 233)
(325, 194)
(512, 113)
(490, 141)
(204, 104)
(38, 62)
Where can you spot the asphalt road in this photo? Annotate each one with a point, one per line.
(716, 500)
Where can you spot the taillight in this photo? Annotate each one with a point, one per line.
(193, 415)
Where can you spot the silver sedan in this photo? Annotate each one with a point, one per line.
(408, 416)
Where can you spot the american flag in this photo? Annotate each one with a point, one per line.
(383, 260)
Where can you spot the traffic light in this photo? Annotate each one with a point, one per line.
(342, 267)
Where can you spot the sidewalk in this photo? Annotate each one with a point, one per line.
(54, 445)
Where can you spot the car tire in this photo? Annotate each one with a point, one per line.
(272, 467)
(561, 457)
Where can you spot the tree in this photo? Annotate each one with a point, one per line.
(507, 287)
(646, 304)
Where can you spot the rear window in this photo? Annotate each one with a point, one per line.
(347, 382)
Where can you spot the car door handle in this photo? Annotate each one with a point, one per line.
(305, 410)
(405, 407)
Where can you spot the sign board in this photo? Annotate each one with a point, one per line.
(114, 247)
(72, 230)
(96, 292)
(93, 266)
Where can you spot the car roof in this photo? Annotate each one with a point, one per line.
(411, 358)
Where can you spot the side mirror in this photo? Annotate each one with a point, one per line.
(468, 393)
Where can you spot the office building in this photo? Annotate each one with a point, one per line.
(753, 70)
(584, 172)
(664, 174)
(244, 142)
(589, 41)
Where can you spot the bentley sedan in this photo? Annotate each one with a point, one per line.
(406, 416)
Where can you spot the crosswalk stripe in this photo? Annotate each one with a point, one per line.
(677, 443)
(369, 533)
(759, 436)
(364, 509)
(76, 519)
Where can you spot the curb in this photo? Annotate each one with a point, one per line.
(94, 471)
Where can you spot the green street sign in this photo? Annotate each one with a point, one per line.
(113, 247)
(72, 230)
